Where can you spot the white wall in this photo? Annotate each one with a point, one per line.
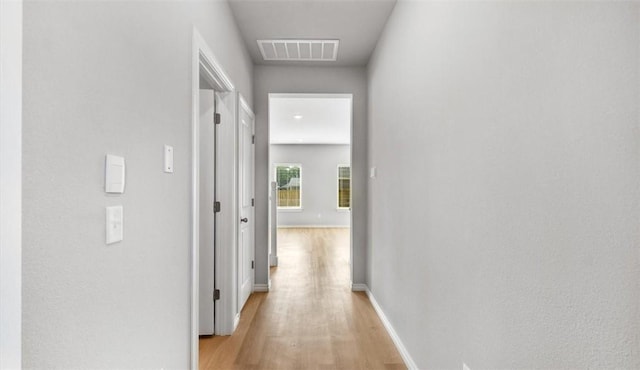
(319, 183)
(285, 79)
(10, 184)
(112, 77)
(504, 218)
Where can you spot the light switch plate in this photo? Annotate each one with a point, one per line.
(114, 224)
(168, 159)
(465, 367)
(114, 174)
(373, 172)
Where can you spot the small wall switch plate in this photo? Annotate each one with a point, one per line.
(373, 172)
(114, 224)
(168, 159)
(114, 174)
(465, 367)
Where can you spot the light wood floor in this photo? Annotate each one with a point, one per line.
(310, 319)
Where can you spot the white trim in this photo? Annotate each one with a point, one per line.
(203, 58)
(408, 360)
(236, 321)
(206, 58)
(262, 287)
(351, 223)
(290, 209)
(272, 246)
(359, 287)
(313, 227)
(244, 105)
(11, 184)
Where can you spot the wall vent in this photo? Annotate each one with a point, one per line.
(299, 50)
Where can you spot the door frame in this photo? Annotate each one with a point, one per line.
(204, 61)
(243, 105)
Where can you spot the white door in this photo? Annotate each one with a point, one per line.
(206, 194)
(246, 198)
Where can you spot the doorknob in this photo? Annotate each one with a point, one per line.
(244, 220)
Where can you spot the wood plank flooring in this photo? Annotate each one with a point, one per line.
(310, 319)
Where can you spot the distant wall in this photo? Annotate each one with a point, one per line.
(319, 183)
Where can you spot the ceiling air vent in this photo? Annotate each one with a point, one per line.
(299, 50)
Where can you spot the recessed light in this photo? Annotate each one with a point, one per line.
(297, 116)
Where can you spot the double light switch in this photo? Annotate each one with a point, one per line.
(114, 181)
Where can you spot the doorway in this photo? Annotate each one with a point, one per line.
(213, 198)
(206, 196)
(310, 167)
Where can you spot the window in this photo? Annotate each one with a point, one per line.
(289, 180)
(344, 187)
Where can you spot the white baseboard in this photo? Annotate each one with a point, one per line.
(236, 321)
(313, 226)
(408, 361)
(359, 287)
(273, 260)
(262, 287)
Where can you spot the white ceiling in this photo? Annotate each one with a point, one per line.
(325, 119)
(356, 23)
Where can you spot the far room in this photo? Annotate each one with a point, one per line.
(310, 175)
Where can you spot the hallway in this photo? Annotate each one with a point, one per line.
(310, 319)
(494, 185)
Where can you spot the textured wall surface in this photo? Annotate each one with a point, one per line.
(112, 77)
(504, 218)
(319, 183)
(270, 79)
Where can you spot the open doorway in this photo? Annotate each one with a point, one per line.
(206, 195)
(213, 198)
(310, 177)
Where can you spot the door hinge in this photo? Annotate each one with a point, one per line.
(216, 118)
(216, 207)
(252, 265)
(253, 139)
(216, 294)
(253, 202)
